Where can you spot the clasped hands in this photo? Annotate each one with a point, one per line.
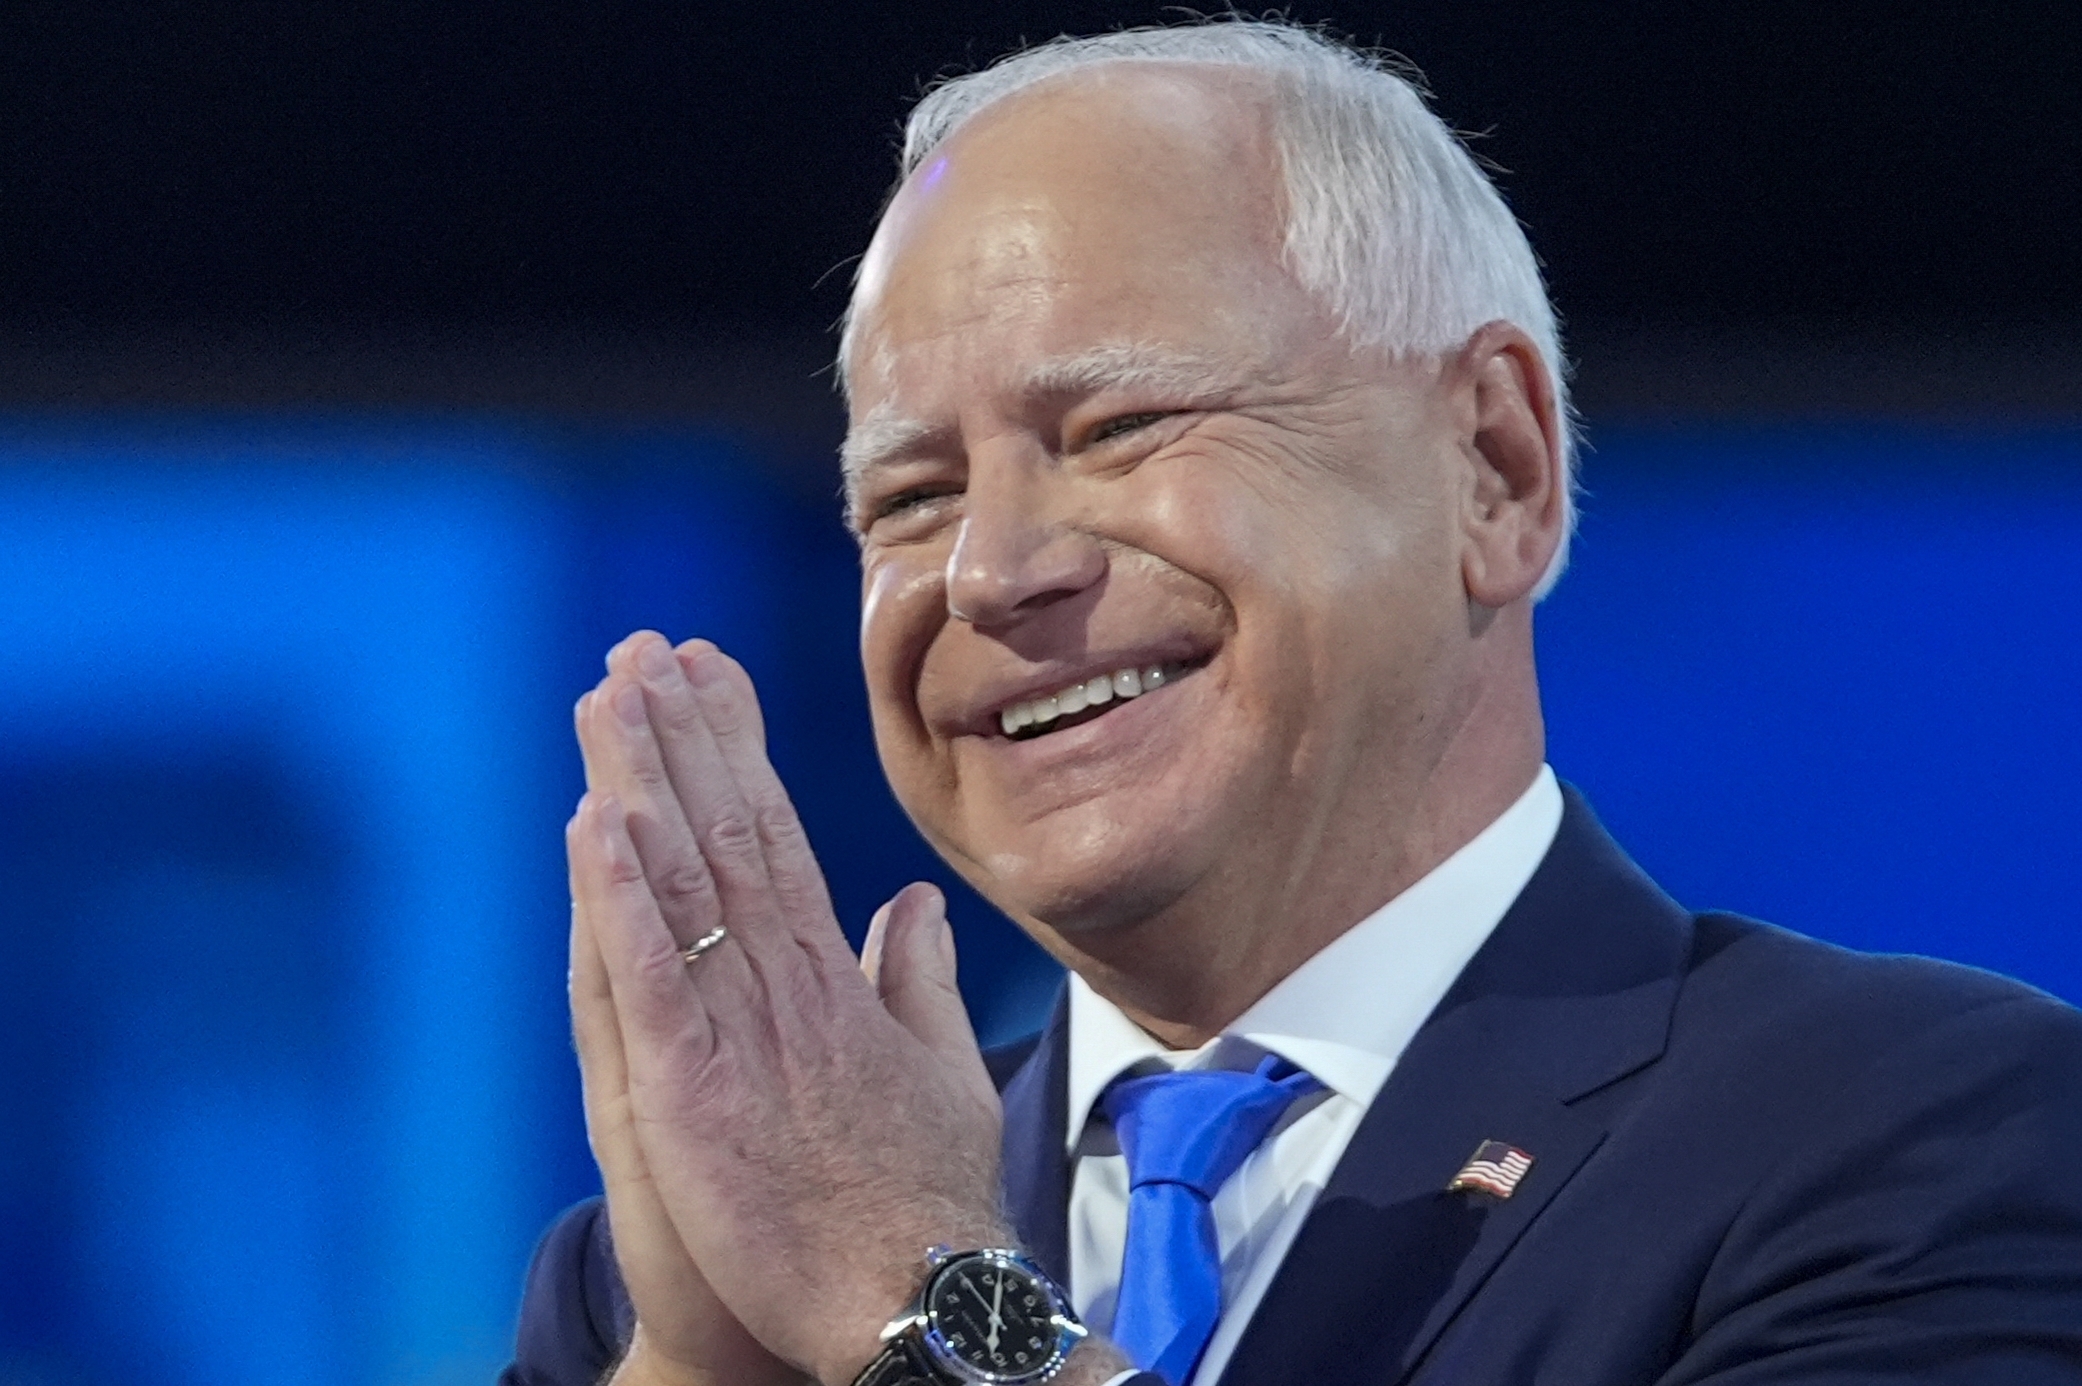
(782, 1130)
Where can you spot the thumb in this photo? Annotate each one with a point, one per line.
(911, 960)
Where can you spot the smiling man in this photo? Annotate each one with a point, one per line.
(1106, 437)
(1208, 458)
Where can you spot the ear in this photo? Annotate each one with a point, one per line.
(1516, 502)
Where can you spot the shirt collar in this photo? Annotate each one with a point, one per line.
(1347, 1013)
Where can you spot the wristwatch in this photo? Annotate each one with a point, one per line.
(982, 1318)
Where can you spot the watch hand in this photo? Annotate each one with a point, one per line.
(997, 1322)
(970, 1286)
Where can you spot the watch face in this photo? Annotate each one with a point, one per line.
(994, 1318)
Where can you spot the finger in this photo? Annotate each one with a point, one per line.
(642, 1227)
(623, 749)
(915, 976)
(724, 699)
(660, 1274)
(602, 1071)
(665, 1030)
(743, 823)
(602, 1067)
(693, 651)
(625, 759)
(714, 858)
(581, 719)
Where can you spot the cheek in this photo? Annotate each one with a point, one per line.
(1247, 531)
(1335, 583)
(1345, 542)
(901, 607)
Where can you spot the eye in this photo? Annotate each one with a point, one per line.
(911, 501)
(911, 498)
(1124, 424)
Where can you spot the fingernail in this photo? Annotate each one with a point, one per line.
(705, 670)
(628, 705)
(871, 947)
(655, 659)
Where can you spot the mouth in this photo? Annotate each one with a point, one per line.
(1090, 699)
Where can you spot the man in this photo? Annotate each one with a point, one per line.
(1208, 456)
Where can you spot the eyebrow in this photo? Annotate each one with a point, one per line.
(886, 434)
(879, 439)
(1123, 365)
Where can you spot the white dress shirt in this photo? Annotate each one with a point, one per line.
(1345, 1016)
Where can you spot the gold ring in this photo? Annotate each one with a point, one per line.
(693, 951)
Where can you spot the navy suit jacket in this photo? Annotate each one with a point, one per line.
(1756, 1159)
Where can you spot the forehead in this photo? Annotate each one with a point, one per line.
(1130, 204)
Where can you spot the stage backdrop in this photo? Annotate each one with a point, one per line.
(286, 759)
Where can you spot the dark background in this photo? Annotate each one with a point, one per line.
(1766, 206)
(365, 370)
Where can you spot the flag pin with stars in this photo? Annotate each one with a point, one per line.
(1494, 1168)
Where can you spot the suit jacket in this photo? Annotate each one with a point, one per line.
(1756, 1159)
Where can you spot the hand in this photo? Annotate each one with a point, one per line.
(807, 1131)
(684, 1335)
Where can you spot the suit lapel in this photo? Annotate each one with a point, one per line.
(1037, 1165)
(1572, 993)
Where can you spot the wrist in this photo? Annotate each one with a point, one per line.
(1093, 1362)
(644, 1365)
(886, 1292)
(983, 1314)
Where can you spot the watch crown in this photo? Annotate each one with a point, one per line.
(937, 1255)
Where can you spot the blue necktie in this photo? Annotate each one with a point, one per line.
(1184, 1134)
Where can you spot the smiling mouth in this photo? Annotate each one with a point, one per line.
(1089, 700)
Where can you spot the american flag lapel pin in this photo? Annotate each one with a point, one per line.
(1494, 1168)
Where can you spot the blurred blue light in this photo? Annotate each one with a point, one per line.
(364, 622)
(1830, 678)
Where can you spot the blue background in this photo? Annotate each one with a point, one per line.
(286, 759)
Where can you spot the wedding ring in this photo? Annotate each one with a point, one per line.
(693, 951)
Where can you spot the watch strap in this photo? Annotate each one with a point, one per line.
(896, 1365)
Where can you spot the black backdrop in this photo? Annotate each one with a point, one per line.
(522, 167)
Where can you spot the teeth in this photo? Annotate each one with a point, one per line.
(1094, 692)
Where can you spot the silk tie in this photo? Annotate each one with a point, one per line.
(1184, 1134)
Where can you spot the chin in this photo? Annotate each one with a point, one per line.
(1080, 883)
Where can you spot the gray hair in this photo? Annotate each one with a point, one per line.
(1389, 220)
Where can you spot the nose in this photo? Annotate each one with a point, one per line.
(1016, 551)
